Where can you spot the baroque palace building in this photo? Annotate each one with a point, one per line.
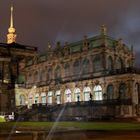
(87, 79)
(95, 73)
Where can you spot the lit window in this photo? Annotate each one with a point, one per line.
(77, 94)
(58, 97)
(36, 98)
(67, 95)
(98, 93)
(87, 93)
(50, 97)
(43, 98)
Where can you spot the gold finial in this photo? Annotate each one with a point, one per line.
(103, 30)
(11, 36)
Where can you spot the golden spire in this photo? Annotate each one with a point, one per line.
(11, 36)
(11, 23)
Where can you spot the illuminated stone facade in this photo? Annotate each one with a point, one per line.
(98, 70)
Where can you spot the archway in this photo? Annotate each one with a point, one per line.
(98, 95)
(77, 96)
(87, 93)
(67, 95)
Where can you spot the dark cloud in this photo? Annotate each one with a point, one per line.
(39, 21)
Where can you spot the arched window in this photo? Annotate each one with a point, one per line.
(110, 92)
(50, 94)
(119, 63)
(42, 75)
(87, 94)
(36, 77)
(49, 74)
(36, 99)
(57, 72)
(22, 99)
(97, 64)
(67, 95)
(67, 70)
(122, 91)
(43, 98)
(77, 96)
(98, 95)
(58, 97)
(76, 68)
(110, 63)
(85, 66)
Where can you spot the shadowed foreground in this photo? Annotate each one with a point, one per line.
(69, 131)
(80, 135)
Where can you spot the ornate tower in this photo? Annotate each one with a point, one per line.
(11, 36)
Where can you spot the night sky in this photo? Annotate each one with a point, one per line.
(40, 21)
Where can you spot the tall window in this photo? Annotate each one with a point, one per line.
(122, 91)
(42, 75)
(98, 95)
(87, 94)
(22, 99)
(36, 77)
(58, 97)
(119, 63)
(77, 96)
(76, 68)
(97, 64)
(85, 66)
(110, 92)
(50, 93)
(110, 63)
(67, 70)
(43, 98)
(57, 72)
(67, 95)
(49, 74)
(36, 98)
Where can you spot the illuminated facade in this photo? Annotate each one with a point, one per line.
(91, 78)
(98, 70)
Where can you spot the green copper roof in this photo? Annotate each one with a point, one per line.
(101, 40)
